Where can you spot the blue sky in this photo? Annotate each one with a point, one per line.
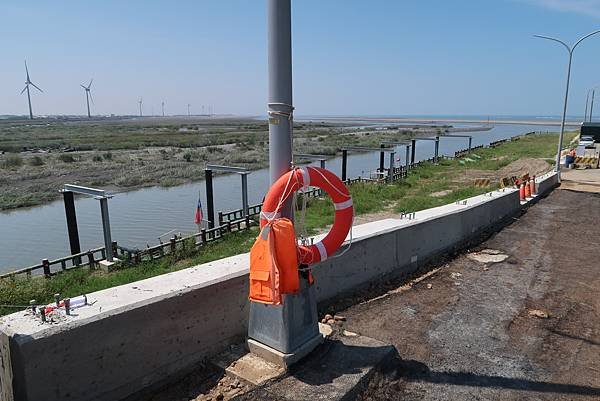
(350, 57)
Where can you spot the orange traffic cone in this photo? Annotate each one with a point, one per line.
(522, 193)
(527, 190)
(533, 189)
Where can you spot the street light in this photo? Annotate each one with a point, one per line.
(592, 104)
(587, 100)
(570, 49)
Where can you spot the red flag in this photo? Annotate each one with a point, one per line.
(199, 216)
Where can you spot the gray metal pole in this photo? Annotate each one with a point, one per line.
(407, 156)
(592, 104)
(412, 151)
(245, 194)
(106, 229)
(280, 90)
(437, 149)
(470, 142)
(564, 116)
(587, 100)
(381, 158)
(291, 327)
(322, 162)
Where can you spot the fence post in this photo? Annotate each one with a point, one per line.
(391, 173)
(322, 163)
(344, 163)
(173, 244)
(46, 267)
(91, 261)
(72, 223)
(203, 235)
(210, 206)
(220, 217)
(106, 228)
(244, 194)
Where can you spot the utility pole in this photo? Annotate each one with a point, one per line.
(592, 104)
(291, 328)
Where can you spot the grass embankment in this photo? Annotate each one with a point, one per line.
(426, 187)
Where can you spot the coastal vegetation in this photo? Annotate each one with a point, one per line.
(427, 186)
(129, 154)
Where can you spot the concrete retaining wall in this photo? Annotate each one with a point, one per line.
(136, 335)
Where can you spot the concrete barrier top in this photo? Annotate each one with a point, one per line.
(130, 296)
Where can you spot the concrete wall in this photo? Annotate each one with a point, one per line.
(409, 244)
(136, 335)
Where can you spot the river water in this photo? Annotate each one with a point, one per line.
(140, 217)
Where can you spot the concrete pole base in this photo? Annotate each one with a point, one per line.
(107, 265)
(279, 358)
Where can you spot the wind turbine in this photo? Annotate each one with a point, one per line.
(163, 108)
(140, 102)
(26, 88)
(88, 96)
(188, 109)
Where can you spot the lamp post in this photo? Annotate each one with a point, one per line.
(587, 100)
(570, 50)
(592, 104)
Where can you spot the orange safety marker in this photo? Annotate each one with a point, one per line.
(522, 192)
(527, 189)
(533, 189)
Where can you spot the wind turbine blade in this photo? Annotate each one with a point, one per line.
(91, 98)
(90, 85)
(26, 70)
(82, 86)
(24, 89)
(36, 87)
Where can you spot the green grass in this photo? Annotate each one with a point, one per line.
(20, 290)
(410, 195)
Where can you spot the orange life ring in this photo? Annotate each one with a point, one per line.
(303, 177)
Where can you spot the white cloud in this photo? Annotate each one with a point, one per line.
(586, 7)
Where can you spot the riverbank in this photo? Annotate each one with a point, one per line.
(427, 186)
(126, 155)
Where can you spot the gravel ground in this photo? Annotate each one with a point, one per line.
(527, 327)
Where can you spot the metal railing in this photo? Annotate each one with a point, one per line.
(230, 221)
(49, 268)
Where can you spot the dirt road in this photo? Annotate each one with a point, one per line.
(527, 327)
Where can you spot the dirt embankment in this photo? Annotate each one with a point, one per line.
(516, 168)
